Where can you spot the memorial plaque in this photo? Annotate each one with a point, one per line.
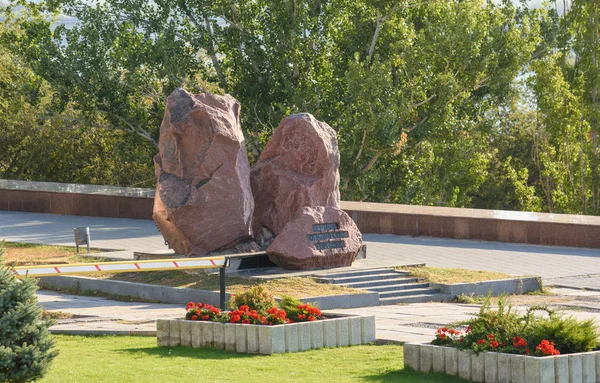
(325, 234)
(329, 245)
(321, 227)
(319, 237)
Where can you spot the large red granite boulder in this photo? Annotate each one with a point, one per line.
(298, 167)
(203, 196)
(317, 238)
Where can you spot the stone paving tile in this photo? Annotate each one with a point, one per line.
(105, 233)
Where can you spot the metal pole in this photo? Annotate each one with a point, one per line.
(222, 286)
(87, 238)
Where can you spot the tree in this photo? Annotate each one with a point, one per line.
(26, 347)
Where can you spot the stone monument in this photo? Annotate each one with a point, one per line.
(203, 197)
(298, 167)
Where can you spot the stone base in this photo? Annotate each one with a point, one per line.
(254, 339)
(492, 367)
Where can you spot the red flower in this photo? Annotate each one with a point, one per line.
(194, 317)
(491, 336)
(480, 341)
(494, 344)
(547, 348)
(519, 342)
(311, 318)
(301, 316)
(190, 305)
(468, 329)
(205, 317)
(442, 336)
(244, 308)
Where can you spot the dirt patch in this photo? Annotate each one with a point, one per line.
(30, 254)
(450, 276)
(297, 287)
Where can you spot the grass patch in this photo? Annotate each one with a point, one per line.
(135, 359)
(449, 276)
(31, 254)
(56, 315)
(297, 287)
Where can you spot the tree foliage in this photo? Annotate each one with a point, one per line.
(454, 103)
(26, 347)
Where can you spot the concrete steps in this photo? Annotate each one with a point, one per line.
(393, 287)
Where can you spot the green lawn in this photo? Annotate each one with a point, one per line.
(137, 359)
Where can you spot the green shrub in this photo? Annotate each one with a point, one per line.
(298, 311)
(290, 305)
(568, 334)
(25, 342)
(504, 330)
(490, 326)
(257, 298)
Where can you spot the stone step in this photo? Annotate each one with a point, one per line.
(398, 287)
(363, 278)
(379, 270)
(420, 298)
(384, 282)
(408, 292)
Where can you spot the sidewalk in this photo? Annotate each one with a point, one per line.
(573, 267)
(564, 266)
(415, 323)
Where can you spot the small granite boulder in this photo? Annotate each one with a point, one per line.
(203, 196)
(297, 168)
(317, 238)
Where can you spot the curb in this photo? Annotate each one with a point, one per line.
(497, 287)
(167, 294)
(103, 332)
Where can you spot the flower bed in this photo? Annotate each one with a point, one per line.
(267, 339)
(503, 346)
(256, 325)
(503, 368)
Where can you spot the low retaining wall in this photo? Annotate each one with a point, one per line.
(497, 287)
(166, 294)
(492, 367)
(376, 218)
(153, 293)
(254, 339)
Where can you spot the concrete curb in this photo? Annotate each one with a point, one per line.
(348, 301)
(499, 367)
(155, 293)
(498, 287)
(103, 332)
(166, 294)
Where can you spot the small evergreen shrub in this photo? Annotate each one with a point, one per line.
(26, 347)
(257, 298)
(568, 334)
(298, 311)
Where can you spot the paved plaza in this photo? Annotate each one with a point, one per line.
(578, 270)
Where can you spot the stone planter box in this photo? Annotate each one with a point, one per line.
(492, 367)
(254, 339)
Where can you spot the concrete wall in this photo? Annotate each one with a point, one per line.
(485, 225)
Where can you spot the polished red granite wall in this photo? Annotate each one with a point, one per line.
(486, 225)
(93, 205)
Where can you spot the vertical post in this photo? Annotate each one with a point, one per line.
(87, 238)
(222, 285)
